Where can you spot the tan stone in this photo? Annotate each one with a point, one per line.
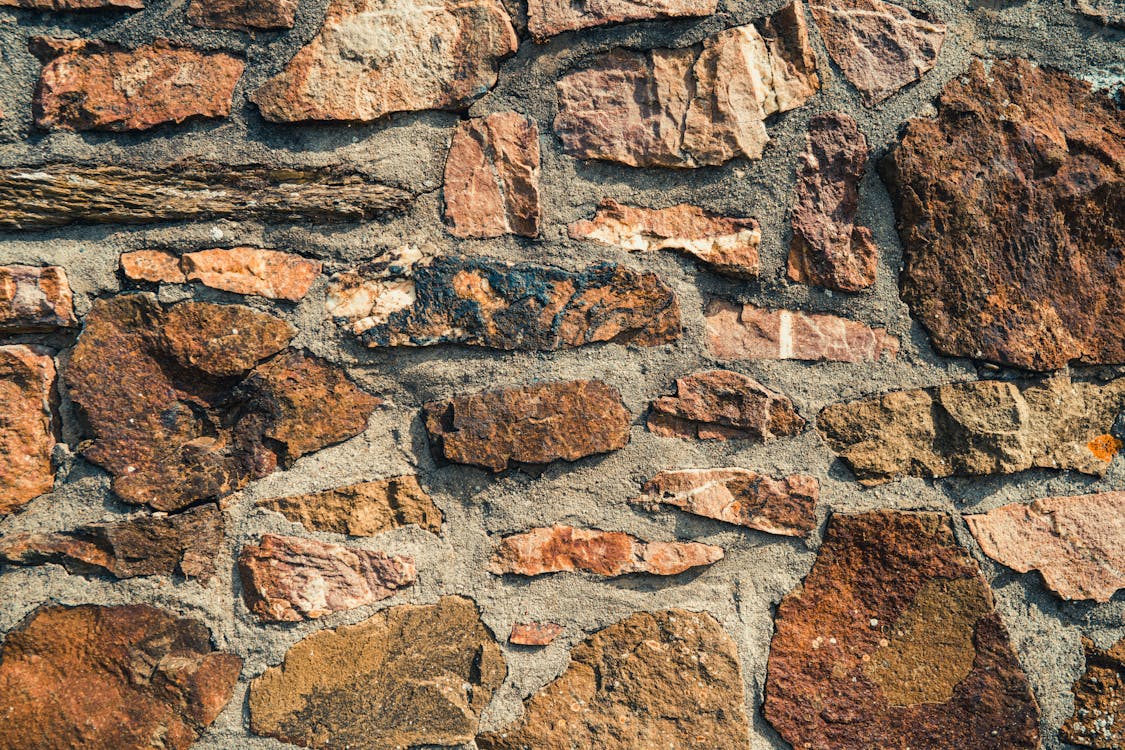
(27, 424)
(723, 405)
(749, 332)
(35, 299)
(1099, 699)
(363, 509)
(534, 633)
(243, 15)
(546, 18)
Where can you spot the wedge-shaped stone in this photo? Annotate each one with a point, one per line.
(363, 509)
(243, 15)
(749, 332)
(546, 18)
(1099, 700)
(723, 405)
(34, 298)
(27, 424)
(242, 270)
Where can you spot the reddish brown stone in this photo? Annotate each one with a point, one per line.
(93, 85)
(27, 424)
(63, 5)
(242, 270)
(112, 678)
(534, 633)
(546, 18)
(243, 15)
(363, 509)
(1099, 700)
(749, 332)
(892, 641)
(35, 299)
(723, 405)
(155, 266)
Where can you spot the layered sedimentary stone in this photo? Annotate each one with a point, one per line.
(723, 405)
(531, 425)
(534, 633)
(656, 679)
(749, 332)
(64, 5)
(27, 424)
(1106, 11)
(785, 506)
(97, 677)
(242, 270)
(34, 298)
(893, 641)
(1099, 700)
(375, 57)
(546, 18)
(1076, 543)
(408, 676)
(976, 428)
(363, 509)
(691, 107)
(727, 244)
(1011, 210)
(243, 15)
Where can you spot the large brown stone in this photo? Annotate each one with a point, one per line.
(408, 676)
(546, 18)
(27, 424)
(65, 5)
(976, 428)
(1099, 700)
(112, 678)
(35, 298)
(669, 679)
(893, 641)
(723, 405)
(696, 106)
(749, 332)
(242, 270)
(363, 509)
(243, 15)
(1011, 210)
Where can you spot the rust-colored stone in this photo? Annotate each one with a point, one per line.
(65, 5)
(154, 266)
(243, 15)
(242, 270)
(546, 18)
(35, 299)
(363, 509)
(1099, 700)
(534, 633)
(27, 424)
(723, 405)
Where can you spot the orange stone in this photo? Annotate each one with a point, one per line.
(723, 405)
(35, 298)
(534, 633)
(27, 424)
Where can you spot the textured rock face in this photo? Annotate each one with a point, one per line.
(1106, 11)
(828, 248)
(243, 15)
(375, 57)
(93, 85)
(728, 245)
(691, 107)
(1010, 206)
(242, 270)
(723, 405)
(1099, 700)
(154, 266)
(976, 428)
(534, 633)
(492, 177)
(892, 641)
(368, 687)
(784, 506)
(653, 680)
(532, 425)
(27, 424)
(35, 298)
(363, 509)
(546, 18)
(1077, 543)
(63, 5)
(96, 677)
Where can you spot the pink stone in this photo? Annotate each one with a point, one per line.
(35, 299)
(546, 18)
(723, 405)
(534, 633)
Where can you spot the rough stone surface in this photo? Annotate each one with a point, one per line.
(1011, 210)
(723, 405)
(892, 641)
(243, 15)
(34, 298)
(27, 424)
(1107, 11)
(364, 509)
(546, 18)
(689, 107)
(118, 678)
(656, 679)
(242, 270)
(528, 426)
(975, 428)
(154, 266)
(1099, 700)
(66, 5)
(534, 633)
(367, 687)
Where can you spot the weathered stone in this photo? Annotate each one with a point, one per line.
(893, 641)
(1107, 11)
(727, 244)
(723, 405)
(35, 299)
(27, 424)
(785, 506)
(1011, 209)
(112, 678)
(534, 633)
(375, 57)
(501, 305)
(690, 107)
(410, 675)
(187, 404)
(828, 248)
(363, 509)
(977, 428)
(154, 266)
(669, 679)
(243, 15)
(879, 46)
(185, 544)
(93, 85)
(531, 425)
(63, 5)
(546, 18)
(242, 270)
(1077, 543)
(1099, 700)
(492, 177)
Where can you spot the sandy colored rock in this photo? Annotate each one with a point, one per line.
(27, 424)
(691, 107)
(726, 244)
(154, 266)
(546, 18)
(375, 57)
(364, 509)
(893, 641)
(534, 633)
(242, 270)
(96, 677)
(653, 680)
(1009, 210)
(723, 405)
(34, 298)
(977, 428)
(410, 675)
(1099, 700)
(243, 15)
(65, 5)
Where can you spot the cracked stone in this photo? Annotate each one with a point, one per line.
(35, 299)
(27, 424)
(1099, 700)
(242, 270)
(534, 633)
(723, 405)
(243, 15)
(546, 18)
(364, 509)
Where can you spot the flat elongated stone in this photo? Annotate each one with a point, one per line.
(534, 633)
(409, 675)
(27, 424)
(691, 107)
(1099, 700)
(363, 509)
(155, 266)
(1011, 210)
(375, 57)
(723, 405)
(546, 18)
(35, 298)
(242, 270)
(893, 641)
(976, 428)
(110, 678)
(668, 679)
(65, 5)
(243, 15)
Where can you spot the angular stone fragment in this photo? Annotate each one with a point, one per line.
(668, 679)
(977, 428)
(1011, 210)
(112, 678)
(243, 15)
(532, 425)
(690, 107)
(723, 405)
(363, 509)
(534, 633)
(375, 57)
(242, 270)
(828, 248)
(492, 177)
(784, 506)
(409, 675)
(27, 424)
(154, 266)
(64, 5)
(1099, 700)
(727, 244)
(35, 298)
(546, 18)
(893, 641)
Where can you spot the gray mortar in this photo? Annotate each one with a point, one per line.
(743, 589)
